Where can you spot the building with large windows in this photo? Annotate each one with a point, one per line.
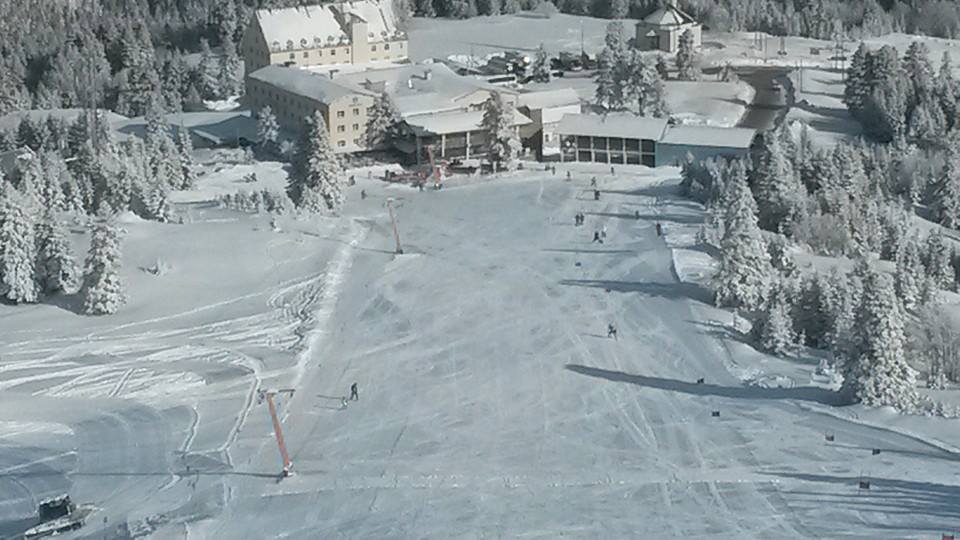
(353, 32)
(627, 139)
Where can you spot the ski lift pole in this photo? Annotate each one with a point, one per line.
(268, 395)
(393, 221)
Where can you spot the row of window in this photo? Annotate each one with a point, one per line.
(341, 129)
(341, 114)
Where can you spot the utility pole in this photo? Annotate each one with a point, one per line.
(393, 220)
(268, 395)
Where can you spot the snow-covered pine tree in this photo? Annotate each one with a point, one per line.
(316, 180)
(774, 328)
(230, 68)
(619, 9)
(540, 70)
(777, 186)
(497, 125)
(608, 87)
(208, 73)
(936, 260)
(103, 290)
(642, 85)
(876, 372)
(744, 262)
(268, 132)
(947, 201)
(18, 282)
(842, 301)
(615, 41)
(811, 316)
(908, 279)
(383, 123)
(56, 268)
(687, 68)
(51, 189)
(188, 173)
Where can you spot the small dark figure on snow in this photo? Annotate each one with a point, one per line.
(553, 170)
(612, 331)
(611, 170)
(568, 175)
(700, 380)
(593, 182)
(352, 180)
(596, 194)
(596, 237)
(659, 230)
(354, 392)
(420, 186)
(363, 194)
(576, 220)
(636, 214)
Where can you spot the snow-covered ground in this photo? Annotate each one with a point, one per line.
(492, 402)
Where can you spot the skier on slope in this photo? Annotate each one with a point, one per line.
(593, 182)
(612, 331)
(596, 237)
(596, 194)
(354, 393)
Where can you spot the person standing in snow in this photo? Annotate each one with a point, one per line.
(659, 230)
(363, 194)
(636, 214)
(354, 393)
(612, 331)
(593, 182)
(596, 237)
(596, 194)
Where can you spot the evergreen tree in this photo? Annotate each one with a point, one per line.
(424, 8)
(17, 248)
(316, 180)
(909, 275)
(774, 328)
(811, 314)
(511, 6)
(947, 203)
(497, 125)
(876, 372)
(188, 174)
(540, 71)
(643, 86)
(56, 268)
(744, 262)
(608, 91)
(268, 131)
(384, 125)
(615, 41)
(936, 260)
(208, 73)
(619, 9)
(687, 67)
(230, 69)
(777, 186)
(103, 291)
(857, 87)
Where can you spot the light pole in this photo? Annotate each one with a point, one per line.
(396, 232)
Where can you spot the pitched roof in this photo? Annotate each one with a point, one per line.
(304, 83)
(668, 15)
(718, 137)
(325, 25)
(624, 125)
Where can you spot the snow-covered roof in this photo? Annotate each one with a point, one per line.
(455, 122)
(668, 15)
(549, 98)
(624, 125)
(721, 137)
(304, 83)
(325, 25)
(12, 120)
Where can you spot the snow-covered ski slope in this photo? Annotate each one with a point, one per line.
(492, 404)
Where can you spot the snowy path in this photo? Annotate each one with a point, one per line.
(492, 404)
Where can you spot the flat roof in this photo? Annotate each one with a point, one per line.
(550, 98)
(455, 122)
(720, 137)
(624, 125)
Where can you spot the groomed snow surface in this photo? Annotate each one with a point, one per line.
(492, 403)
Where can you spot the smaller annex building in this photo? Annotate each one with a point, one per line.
(634, 140)
(661, 30)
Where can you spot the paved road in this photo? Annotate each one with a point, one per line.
(769, 105)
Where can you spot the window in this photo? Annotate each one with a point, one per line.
(306, 54)
(373, 48)
(333, 52)
(341, 129)
(356, 111)
(293, 56)
(340, 114)
(401, 44)
(356, 127)
(386, 46)
(356, 142)
(341, 143)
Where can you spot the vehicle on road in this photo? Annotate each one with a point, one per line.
(59, 514)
